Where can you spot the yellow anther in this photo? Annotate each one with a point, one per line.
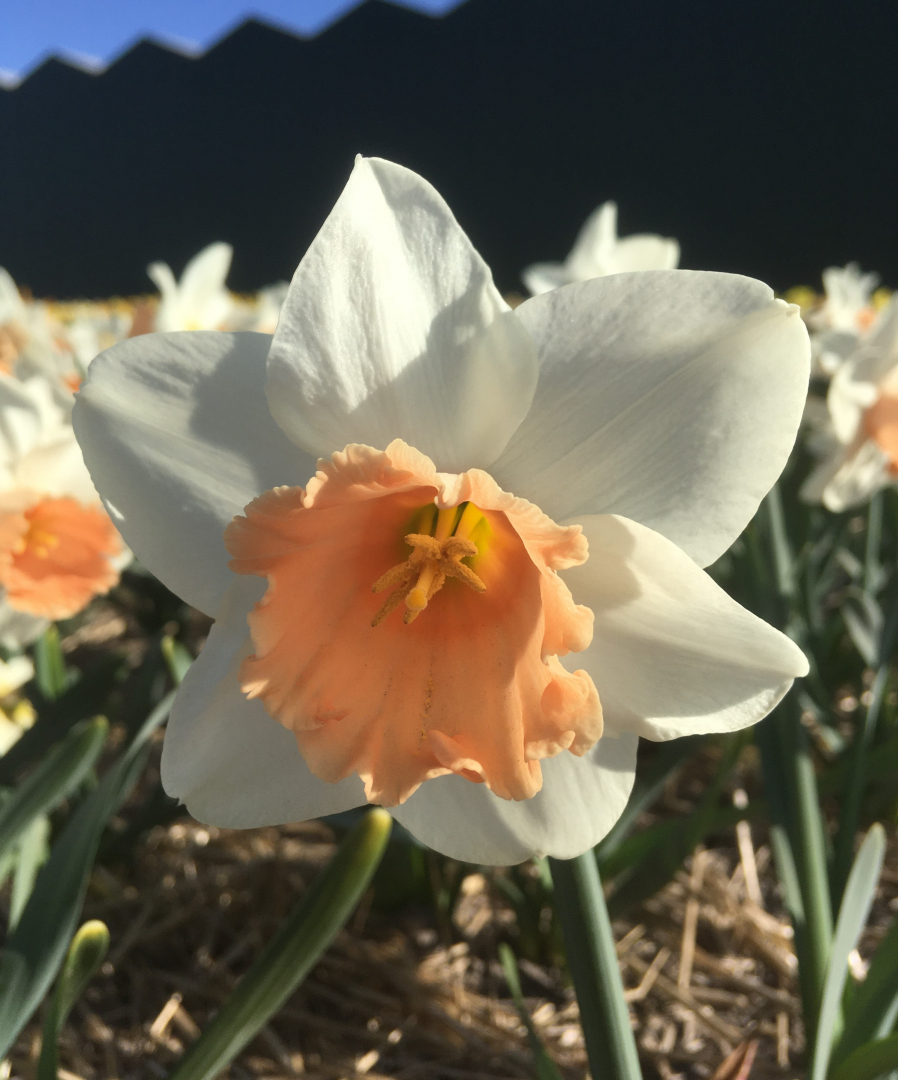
(433, 559)
(38, 541)
(416, 599)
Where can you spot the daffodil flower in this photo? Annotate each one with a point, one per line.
(846, 315)
(30, 340)
(199, 301)
(598, 251)
(58, 548)
(453, 551)
(860, 443)
(16, 716)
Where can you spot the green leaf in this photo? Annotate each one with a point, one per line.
(33, 849)
(49, 664)
(57, 718)
(671, 842)
(48, 922)
(873, 1009)
(13, 980)
(871, 1061)
(546, 1069)
(57, 776)
(668, 836)
(669, 758)
(86, 953)
(177, 658)
(855, 786)
(292, 952)
(856, 904)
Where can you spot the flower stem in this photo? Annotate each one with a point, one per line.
(592, 961)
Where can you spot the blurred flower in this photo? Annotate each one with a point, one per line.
(30, 339)
(423, 636)
(598, 251)
(16, 717)
(14, 723)
(199, 301)
(58, 548)
(14, 674)
(269, 302)
(847, 303)
(860, 443)
(846, 312)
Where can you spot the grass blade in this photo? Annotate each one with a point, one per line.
(855, 785)
(56, 777)
(42, 936)
(31, 855)
(859, 894)
(873, 1009)
(546, 1069)
(870, 1062)
(668, 760)
(292, 952)
(679, 840)
(86, 698)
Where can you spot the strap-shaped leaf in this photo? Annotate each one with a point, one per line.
(292, 952)
(41, 939)
(875, 1003)
(853, 914)
(871, 1061)
(57, 776)
(30, 855)
(546, 1069)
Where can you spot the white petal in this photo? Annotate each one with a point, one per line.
(205, 302)
(672, 397)
(672, 654)
(580, 801)
(849, 478)
(14, 673)
(594, 247)
(879, 351)
(205, 274)
(645, 252)
(18, 628)
(225, 757)
(29, 417)
(11, 304)
(177, 436)
(544, 277)
(57, 469)
(161, 275)
(846, 399)
(393, 328)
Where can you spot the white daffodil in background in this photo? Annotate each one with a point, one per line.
(199, 301)
(30, 339)
(598, 251)
(58, 548)
(453, 551)
(860, 443)
(267, 308)
(846, 314)
(16, 716)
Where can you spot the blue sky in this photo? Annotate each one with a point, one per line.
(95, 31)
